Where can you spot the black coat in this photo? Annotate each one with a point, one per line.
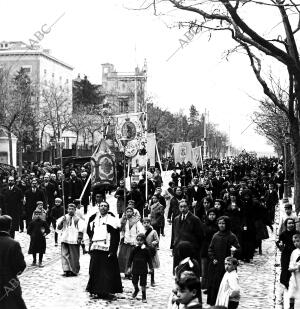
(73, 189)
(139, 259)
(31, 199)
(199, 194)
(288, 246)
(37, 239)
(136, 196)
(192, 230)
(217, 186)
(12, 263)
(49, 190)
(12, 200)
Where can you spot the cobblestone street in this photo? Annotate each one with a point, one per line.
(46, 288)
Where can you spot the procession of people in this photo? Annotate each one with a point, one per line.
(219, 215)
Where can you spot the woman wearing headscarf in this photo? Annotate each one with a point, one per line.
(104, 234)
(130, 228)
(174, 209)
(286, 246)
(210, 228)
(224, 243)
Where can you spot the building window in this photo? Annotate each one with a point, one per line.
(27, 69)
(123, 106)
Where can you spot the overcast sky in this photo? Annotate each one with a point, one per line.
(97, 31)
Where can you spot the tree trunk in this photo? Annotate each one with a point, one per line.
(20, 153)
(76, 145)
(93, 147)
(10, 147)
(296, 147)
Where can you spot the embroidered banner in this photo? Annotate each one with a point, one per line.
(103, 169)
(182, 152)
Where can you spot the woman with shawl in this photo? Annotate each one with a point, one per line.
(130, 228)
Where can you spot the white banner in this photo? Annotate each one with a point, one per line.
(182, 152)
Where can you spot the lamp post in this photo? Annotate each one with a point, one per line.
(287, 171)
(124, 140)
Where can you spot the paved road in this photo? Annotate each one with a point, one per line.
(46, 288)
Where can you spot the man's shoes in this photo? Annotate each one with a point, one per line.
(41, 264)
(152, 283)
(71, 274)
(56, 244)
(33, 263)
(135, 293)
(144, 300)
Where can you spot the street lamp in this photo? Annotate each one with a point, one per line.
(124, 140)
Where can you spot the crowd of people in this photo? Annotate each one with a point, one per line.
(219, 215)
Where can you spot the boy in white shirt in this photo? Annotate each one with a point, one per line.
(72, 228)
(229, 290)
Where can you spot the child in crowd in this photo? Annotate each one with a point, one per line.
(40, 207)
(38, 229)
(188, 265)
(188, 291)
(56, 212)
(294, 268)
(229, 290)
(138, 263)
(288, 213)
(152, 241)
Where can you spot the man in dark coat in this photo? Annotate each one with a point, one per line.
(87, 192)
(217, 183)
(32, 196)
(197, 192)
(49, 193)
(187, 227)
(74, 188)
(136, 196)
(12, 263)
(12, 200)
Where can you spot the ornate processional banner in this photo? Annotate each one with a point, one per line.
(103, 169)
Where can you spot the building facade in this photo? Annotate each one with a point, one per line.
(47, 74)
(124, 92)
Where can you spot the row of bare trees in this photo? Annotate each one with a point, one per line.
(275, 41)
(31, 111)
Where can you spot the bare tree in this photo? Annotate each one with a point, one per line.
(281, 46)
(16, 111)
(55, 112)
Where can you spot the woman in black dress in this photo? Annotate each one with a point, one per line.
(286, 246)
(223, 244)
